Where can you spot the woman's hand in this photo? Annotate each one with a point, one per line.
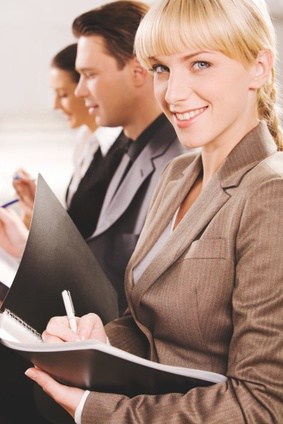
(13, 233)
(89, 326)
(25, 188)
(67, 397)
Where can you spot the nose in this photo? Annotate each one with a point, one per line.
(178, 87)
(81, 89)
(56, 103)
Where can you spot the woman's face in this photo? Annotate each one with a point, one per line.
(64, 98)
(209, 98)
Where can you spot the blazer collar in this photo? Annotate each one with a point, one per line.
(254, 147)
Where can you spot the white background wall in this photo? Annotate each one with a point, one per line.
(31, 134)
(31, 32)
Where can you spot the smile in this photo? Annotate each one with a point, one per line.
(189, 115)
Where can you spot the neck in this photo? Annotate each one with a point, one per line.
(146, 110)
(91, 124)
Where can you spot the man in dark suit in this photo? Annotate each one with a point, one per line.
(119, 92)
(86, 201)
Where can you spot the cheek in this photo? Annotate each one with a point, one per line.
(160, 92)
(90, 85)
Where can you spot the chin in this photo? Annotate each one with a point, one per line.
(73, 125)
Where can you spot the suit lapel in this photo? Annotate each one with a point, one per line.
(158, 219)
(188, 230)
(112, 190)
(118, 198)
(256, 146)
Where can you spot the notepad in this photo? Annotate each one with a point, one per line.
(98, 366)
(14, 329)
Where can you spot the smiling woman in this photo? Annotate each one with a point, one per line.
(63, 79)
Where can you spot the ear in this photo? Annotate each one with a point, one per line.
(139, 73)
(262, 69)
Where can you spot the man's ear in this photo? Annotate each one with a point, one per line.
(262, 69)
(139, 73)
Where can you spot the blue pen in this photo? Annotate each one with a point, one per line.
(9, 203)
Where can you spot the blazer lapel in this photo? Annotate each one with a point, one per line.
(256, 146)
(158, 219)
(104, 217)
(188, 230)
(118, 197)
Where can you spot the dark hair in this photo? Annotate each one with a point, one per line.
(117, 23)
(66, 60)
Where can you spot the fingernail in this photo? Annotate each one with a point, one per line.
(29, 373)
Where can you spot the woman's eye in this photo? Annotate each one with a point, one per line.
(200, 65)
(159, 69)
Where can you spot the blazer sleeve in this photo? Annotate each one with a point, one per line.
(125, 334)
(253, 393)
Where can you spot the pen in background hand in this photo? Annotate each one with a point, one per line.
(5, 205)
(69, 309)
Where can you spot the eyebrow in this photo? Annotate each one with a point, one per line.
(78, 69)
(187, 57)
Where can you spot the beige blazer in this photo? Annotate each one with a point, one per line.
(212, 297)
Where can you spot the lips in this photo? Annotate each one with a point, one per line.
(91, 108)
(186, 116)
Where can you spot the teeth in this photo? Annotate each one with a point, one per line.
(188, 115)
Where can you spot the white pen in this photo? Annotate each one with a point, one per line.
(69, 309)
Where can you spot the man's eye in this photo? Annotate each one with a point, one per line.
(159, 69)
(89, 75)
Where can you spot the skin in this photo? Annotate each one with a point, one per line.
(13, 233)
(63, 87)
(114, 96)
(210, 99)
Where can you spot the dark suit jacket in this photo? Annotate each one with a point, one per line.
(212, 297)
(87, 201)
(124, 209)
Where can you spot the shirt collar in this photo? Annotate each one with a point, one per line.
(106, 137)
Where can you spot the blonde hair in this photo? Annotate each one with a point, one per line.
(240, 29)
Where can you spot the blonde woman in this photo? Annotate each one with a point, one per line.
(204, 284)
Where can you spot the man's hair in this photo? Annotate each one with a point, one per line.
(117, 23)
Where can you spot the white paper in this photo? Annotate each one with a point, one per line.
(8, 268)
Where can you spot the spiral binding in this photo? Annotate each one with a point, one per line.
(11, 315)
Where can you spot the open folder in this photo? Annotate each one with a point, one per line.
(101, 367)
(57, 258)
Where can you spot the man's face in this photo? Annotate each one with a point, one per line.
(108, 91)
